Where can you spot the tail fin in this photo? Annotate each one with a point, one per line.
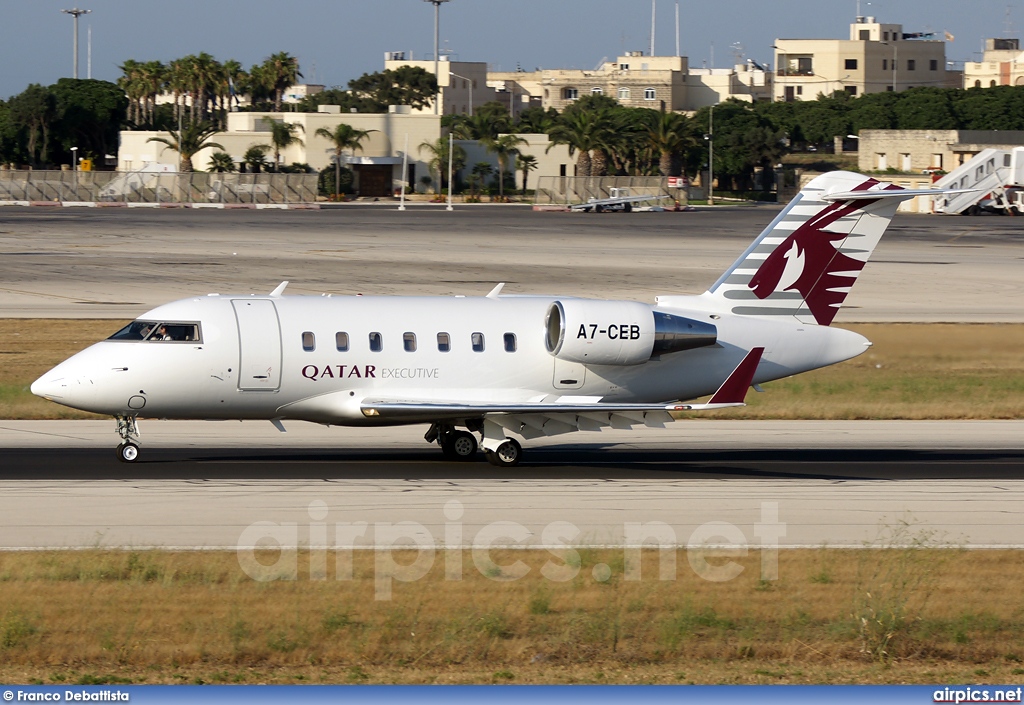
(807, 259)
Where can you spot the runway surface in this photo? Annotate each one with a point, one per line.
(119, 263)
(208, 485)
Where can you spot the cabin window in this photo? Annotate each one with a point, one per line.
(444, 342)
(409, 341)
(478, 342)
(308, 341)
(510, 342)
(159, 331)
(341, 342)
(376, 342)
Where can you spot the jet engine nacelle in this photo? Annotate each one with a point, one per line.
(619, 332)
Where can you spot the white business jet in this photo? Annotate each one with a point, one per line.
(487, 367)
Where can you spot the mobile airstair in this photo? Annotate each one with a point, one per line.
(995, 182)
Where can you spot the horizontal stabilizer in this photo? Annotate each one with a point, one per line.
(901, 194)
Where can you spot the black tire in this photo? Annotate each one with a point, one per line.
(127, 452)
(628, 208)
(459, 445)
(974, 210)
(507, 455)
(599, 209)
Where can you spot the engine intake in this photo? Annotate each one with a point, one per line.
(619, 332)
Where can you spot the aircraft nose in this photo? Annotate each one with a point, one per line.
(49, 387)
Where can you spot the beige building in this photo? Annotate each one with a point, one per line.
(462, 83)
(877, 57)
(914, 151)
(638, 81)
(377, 167)
(1002, 64)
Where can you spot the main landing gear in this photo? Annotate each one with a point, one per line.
(128, 430)
(462, 445)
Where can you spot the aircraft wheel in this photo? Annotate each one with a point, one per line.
(507, 455)
(459, 445)
(127, 452)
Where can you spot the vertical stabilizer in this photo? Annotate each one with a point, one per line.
(807, 259)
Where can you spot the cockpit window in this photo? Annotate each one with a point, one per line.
(159, 331)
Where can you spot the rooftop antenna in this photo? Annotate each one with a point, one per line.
(737, 52)
(677, 29)
(1008, 22)
(653, 6)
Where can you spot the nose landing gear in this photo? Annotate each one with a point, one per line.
(128, 430)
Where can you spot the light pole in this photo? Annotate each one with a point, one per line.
(437, 40)
(710, 137)
(470, 82)
(894, 59)
(76, 13)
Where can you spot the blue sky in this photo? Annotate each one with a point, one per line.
(337, 40)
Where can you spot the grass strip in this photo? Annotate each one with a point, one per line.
(898, 614)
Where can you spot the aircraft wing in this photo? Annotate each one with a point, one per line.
(533, 419)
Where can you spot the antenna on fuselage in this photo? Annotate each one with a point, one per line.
(280, 289)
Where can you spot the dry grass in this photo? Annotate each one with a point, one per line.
(942, 615)
(913, 371)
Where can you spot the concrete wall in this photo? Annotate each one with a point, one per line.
(384, 146)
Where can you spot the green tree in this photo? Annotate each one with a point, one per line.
(479, 174)
(34, 110)
(283, 135)
(221, 162)
(89, 114)
(582, 131)
(405, 85)
(343, 137)
(192, 138)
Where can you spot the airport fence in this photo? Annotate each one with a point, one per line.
(154, 187)
(569, 190)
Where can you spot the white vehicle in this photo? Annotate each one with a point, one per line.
(487, 367)
(619, 200)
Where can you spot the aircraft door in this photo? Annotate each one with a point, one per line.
(259, 341)
(569, 375)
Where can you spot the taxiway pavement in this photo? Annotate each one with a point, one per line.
(119, 263)
(700, 482)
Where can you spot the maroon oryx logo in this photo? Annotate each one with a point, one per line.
(807, 261)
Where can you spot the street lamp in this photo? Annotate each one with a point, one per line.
(75, 13)
(437, 40)
(470, 82)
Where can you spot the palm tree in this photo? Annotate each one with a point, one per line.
(343, 137)
(481, 170)
(255, 157)
(283, 135)
(132, 87)
(222, 162)
(669, 134)
(439, 158)
(582, 131)
(192, 138)
(526, 163)
(281, 71)
(503, 147)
